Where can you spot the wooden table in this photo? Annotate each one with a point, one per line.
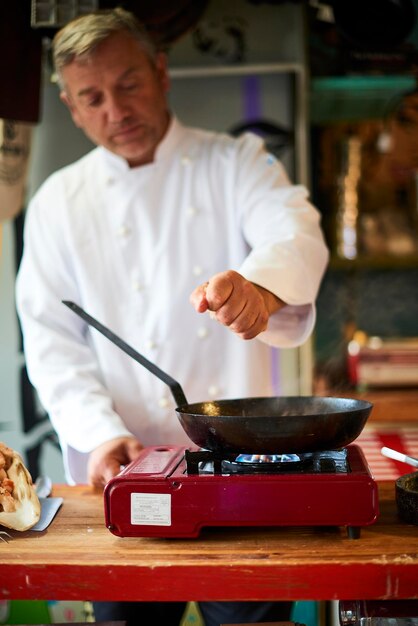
(77, 558)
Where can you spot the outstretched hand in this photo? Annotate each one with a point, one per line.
(237, 303)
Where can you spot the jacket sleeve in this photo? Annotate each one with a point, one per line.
(61, 365)
(288, 254)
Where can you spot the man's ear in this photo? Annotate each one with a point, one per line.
(162, 69)
(68, 103)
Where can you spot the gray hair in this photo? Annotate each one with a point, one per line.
(83, 34)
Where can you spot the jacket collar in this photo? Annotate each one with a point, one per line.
(165, 149)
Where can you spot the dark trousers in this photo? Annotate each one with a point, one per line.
(171, 613)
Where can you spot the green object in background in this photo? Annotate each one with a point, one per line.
(14, 612)
(305, 612)
(353, 98)
(27, 612)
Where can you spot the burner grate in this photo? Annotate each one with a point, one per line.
(268, 464)
(195, 460)
(207, 462)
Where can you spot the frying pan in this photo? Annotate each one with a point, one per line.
(270, 425)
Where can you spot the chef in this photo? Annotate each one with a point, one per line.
(192, 246)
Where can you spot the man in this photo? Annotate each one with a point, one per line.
(158, 213)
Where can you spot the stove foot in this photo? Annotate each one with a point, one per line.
(353, 532)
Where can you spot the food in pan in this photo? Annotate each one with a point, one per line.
(20, 508)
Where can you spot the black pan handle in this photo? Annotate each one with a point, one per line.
(175, 387)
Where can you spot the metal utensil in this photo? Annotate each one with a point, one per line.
(399, 456)
(175, 387)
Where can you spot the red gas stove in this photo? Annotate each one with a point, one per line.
(171, 491)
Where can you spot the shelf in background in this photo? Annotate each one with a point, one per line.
(389, 405)
(409, 261)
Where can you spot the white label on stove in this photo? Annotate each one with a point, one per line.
(151, 509)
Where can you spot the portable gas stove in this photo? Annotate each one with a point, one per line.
(171, 491)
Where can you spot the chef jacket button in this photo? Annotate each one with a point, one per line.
(202, 332)
(150, 344)
(137, 286)
(197, 270)
(186, 160)
(213, 391)
(192, 211)
(123, 231)
(110, 180)
(163, 402)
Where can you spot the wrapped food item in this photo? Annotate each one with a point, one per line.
(20, 508)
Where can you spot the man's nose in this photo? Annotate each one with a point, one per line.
(116, 108)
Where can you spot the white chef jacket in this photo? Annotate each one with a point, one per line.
(129, 245)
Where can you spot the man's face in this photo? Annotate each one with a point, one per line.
(119, 98)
